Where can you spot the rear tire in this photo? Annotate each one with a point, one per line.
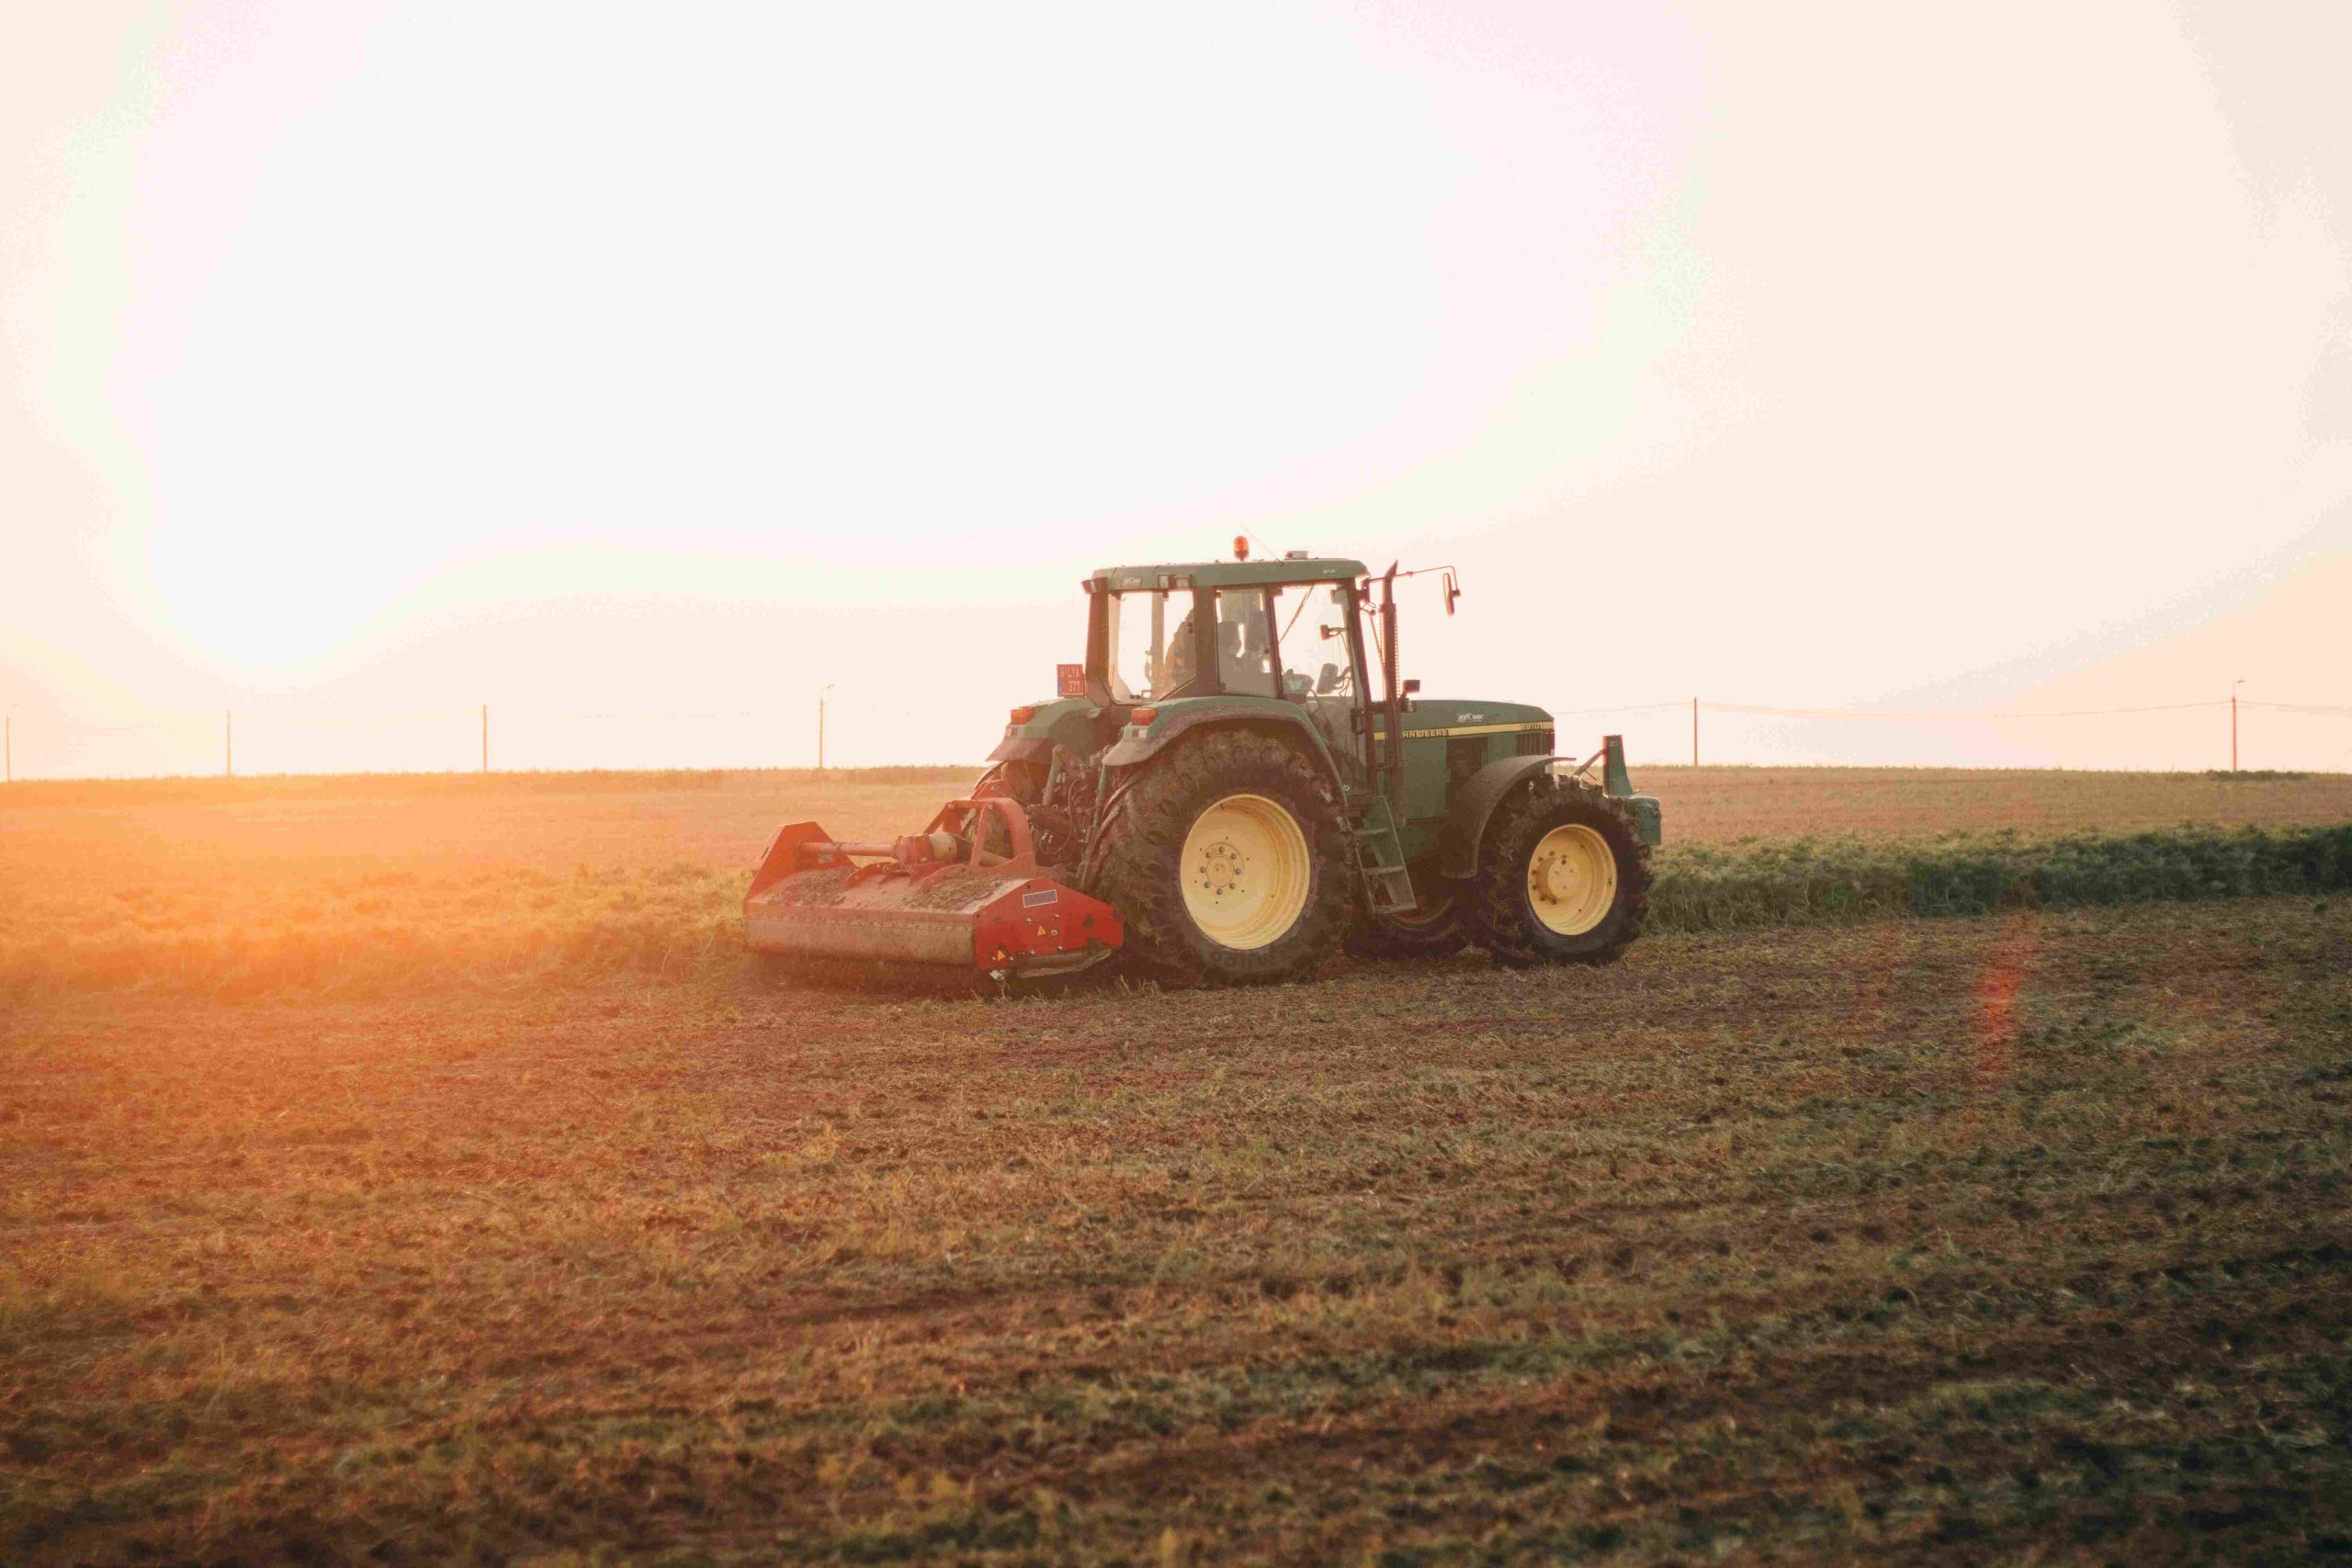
(1563, 878)
(1226, 863)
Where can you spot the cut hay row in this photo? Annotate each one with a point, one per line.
(1753, 885)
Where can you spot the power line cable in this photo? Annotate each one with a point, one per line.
(1636, 707)
(2299, 708)
(1944, 718)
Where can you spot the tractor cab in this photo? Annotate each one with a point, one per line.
(1191, 639)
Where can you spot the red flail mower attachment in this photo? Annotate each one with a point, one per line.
(940, 896)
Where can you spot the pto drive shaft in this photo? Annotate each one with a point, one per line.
(914, 847)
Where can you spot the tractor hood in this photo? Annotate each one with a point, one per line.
(1429, 719)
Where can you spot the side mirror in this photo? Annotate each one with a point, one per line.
(1409, 687)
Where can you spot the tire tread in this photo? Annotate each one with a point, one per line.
(1494, 904)
(1135, 860)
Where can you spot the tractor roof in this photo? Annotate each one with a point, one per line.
(1228, 573)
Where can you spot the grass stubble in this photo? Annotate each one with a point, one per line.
(1968, 1239)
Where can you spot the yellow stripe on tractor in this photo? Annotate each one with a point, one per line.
(1472, 730)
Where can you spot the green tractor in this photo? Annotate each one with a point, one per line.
(1234, 783)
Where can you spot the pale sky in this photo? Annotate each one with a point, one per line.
(641, 371)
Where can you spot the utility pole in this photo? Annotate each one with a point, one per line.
(821, 723)
(229, 742)
(485, 738)
(1694, 732)
(2234, 722)
(9, 747)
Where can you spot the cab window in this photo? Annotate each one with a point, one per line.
(1318, 662)
(1151, 645)
(1245, 643)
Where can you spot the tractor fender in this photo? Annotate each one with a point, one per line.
(1474, 806)
(1077, 728)
(1130, 753)
(1136, 748)
(1023, 749)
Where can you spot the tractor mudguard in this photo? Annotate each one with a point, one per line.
(1023, 749)
(1465, 822)
(1473, 806)
(1134, 749)
(1076, 726)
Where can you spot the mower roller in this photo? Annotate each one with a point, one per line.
(939, 897)
(1232, 785)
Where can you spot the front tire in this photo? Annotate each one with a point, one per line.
(1563, 878)
(1225, 862)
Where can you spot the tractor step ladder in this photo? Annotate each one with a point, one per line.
(1381, 860)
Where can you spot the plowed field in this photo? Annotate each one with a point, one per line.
(1965, 1240)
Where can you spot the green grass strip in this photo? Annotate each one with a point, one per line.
(1754, 884)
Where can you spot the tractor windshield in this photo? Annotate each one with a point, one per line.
(1151, 645)
(1287, 639)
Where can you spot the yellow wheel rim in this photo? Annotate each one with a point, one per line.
(1246, 871)
(1571, 879)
